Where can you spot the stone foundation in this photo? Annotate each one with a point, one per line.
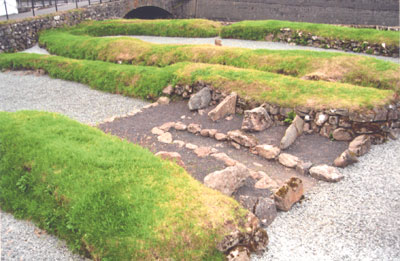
(334, 123)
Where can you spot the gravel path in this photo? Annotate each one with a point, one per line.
(21, 240)
(249, 44)
(356, 219)
(75, 100)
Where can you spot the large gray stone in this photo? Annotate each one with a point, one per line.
(263, 208)
(242, 138)
(256, 119)
(291, 192)
(345, 159)
(288, 160)
(227, 180)
(360, 145)
(226, 107)
(292, 132)
(200, 100)
(326, 173)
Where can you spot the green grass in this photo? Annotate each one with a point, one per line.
(148, 82)
(257, 30)
(110, 199)
(326, 66)
(164, 27)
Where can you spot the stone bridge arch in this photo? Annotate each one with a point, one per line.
(176, 8)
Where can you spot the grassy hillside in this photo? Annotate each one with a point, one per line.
(109, 199)
(148, 82)
(321, 65)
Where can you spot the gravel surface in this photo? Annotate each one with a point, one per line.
(21, 240)
(30, 92)
(356, 219)
(248, 44)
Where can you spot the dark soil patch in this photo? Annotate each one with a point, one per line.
(137, 129)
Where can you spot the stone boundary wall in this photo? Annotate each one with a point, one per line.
(334, 123)
(20, 35)
(367, 12)
(297, 37)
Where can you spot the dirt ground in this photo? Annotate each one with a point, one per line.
(137, 129)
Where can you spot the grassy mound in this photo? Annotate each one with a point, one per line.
(108, 198)
(164, 27)
(315, 65)
(148, 82)
(256, 30)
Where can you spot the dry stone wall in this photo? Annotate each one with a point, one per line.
(20, 35)
(333, 123)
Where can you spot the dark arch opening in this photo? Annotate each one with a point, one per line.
(148, 12)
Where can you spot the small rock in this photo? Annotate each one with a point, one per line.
(326, 173)
(180, 143)
(201, 112)
(180, 126)
(227, 180)
(220, 136)
(156, 131)
(208, 132)
(235, 145)
(169, 90)
(393, 134)
(218, 42)
(172, 156)
(242, 138)
(288, 160)
(225, 158)
(151, 105)
(303, 167)
(238, 253)
(226, 107)
(345, 159)
(257, 175)
(342, 134)
(288, 194)
(203, 152)
(257, 164)
(194, 128)
(321, 118)
(268, 151)
(191, 146)
(167, 126)
(266, 182)
(360, 145)
(166, 137)
(256, 119)
(289, 137)
(163, 100)
(200, 100)
(265, 210)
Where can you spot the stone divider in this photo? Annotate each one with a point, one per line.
(298, 37)
(333, 123)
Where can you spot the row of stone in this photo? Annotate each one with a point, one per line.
(299, 37)
(339, 124)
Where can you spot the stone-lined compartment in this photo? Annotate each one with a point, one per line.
(342, 124)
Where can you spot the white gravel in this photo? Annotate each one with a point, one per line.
(356, 219)
(247, 44)
(21, 240)
(19, 91)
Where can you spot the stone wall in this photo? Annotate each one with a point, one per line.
(290, 36)
(20, 35)
(372, 12)
(333, 123)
